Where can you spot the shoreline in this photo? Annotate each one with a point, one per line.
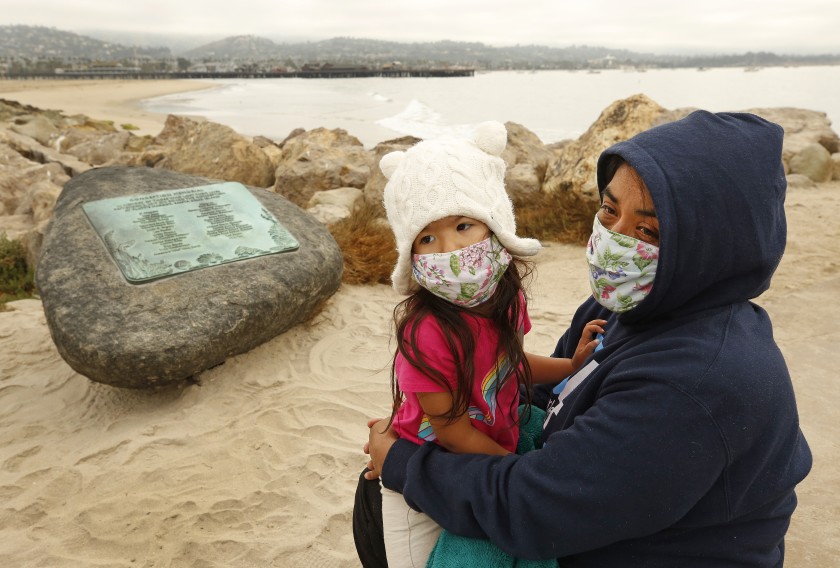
(117, 100)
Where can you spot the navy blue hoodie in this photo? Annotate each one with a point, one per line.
(682, 446)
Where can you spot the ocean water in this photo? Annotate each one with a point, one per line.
(555, 105)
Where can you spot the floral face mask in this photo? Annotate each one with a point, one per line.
(621, 268)
(466, 277)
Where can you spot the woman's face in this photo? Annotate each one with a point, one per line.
(627, 207)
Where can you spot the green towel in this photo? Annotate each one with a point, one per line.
(452, 551)
(530, 429)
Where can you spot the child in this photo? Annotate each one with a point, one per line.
(460, 360)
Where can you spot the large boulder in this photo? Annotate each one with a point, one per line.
(526, 160)
(802, 127)
(94, 148)
(319, 160)
(28, 190)
(34, 151)
(38, 127)
(167, 330)
(574, 168)
(813, 161)
(206, 149)
(333, 205)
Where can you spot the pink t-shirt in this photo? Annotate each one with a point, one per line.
(492, 413)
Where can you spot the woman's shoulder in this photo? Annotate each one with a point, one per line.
(713, 352)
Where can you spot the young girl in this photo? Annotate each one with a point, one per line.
(460, 360)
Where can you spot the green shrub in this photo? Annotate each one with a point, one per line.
(17, 279)
(129, 126)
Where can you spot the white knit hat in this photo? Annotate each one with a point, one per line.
(438, 178)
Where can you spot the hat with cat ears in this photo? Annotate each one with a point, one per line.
(444, 177)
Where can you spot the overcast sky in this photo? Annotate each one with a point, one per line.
(657, 26)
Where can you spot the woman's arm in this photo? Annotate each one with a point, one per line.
(587, 487)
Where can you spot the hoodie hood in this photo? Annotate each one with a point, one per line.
(718, 188)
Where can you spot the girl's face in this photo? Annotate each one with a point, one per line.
(627, 207)
(448, 234)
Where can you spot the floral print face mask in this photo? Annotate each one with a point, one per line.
(621, 268)
(466, 277)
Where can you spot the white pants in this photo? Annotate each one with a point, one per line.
(410, 536)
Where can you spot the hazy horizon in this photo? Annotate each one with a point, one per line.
(806, 27)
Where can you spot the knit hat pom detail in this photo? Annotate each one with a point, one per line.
(491, 137)
(390, 162)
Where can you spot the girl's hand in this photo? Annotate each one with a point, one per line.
(587, 344)
(379, 443)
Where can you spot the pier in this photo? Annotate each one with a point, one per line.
(311, 73)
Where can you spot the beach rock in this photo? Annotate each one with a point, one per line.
(375, 185)
(206, 149)
(23, 181)
(318, 160)
(94, 149)
(813, 161)
(835, 166)
(34, 151)
(574, 167)
(15, 226)
(522, 178)
(39, 128)
(802, 128)
(294, 133)
(10, 110)
(270, 149)
(168, 330)
(333, 205)
(11, 165)
(37, 203)
(800, 181)
(28, 190)
(526, 160)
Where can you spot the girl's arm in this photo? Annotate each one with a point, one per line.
(458, 436)
(547, 370)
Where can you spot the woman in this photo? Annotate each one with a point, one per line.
(678, 443)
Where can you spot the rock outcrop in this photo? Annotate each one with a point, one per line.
(205, 149)
(813, 161)
(808, 145)
(526, 160)
(319, 160)
(574, 168)
(165, 331)
(333, 205)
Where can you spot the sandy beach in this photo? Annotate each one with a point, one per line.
(256, 465)
(106, 99)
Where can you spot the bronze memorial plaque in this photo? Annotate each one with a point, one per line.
(160, 234)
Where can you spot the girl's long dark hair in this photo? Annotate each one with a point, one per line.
(505, 311)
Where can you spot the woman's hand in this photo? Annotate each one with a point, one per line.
(380, 440)
(587, 343)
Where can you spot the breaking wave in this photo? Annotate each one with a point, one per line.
(422, 121)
